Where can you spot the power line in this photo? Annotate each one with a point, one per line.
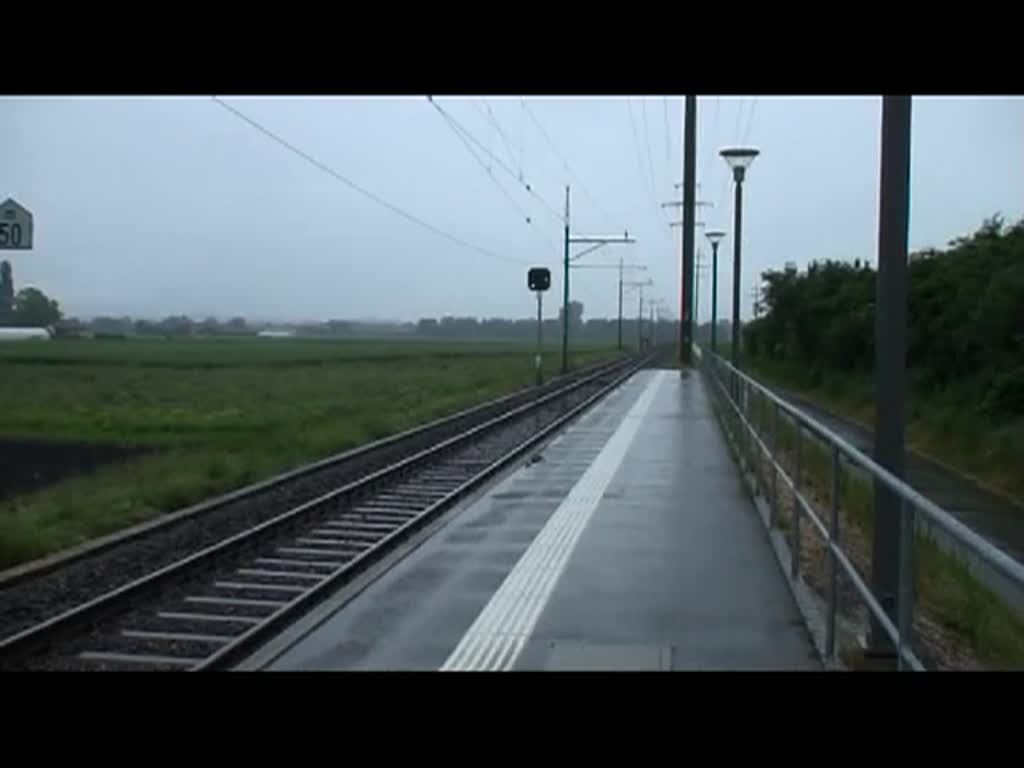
(504, 136)
(728, 177)
(750, 120)
(636, 146)
(740, 139)
(361, 190)
(647, 143)
(739, 119)
(565, 163)
(522, 131)
(481, 113)
(493, 120)
(659, 214)
(723, 193)
(487, 169)
(636, 143)
(452, 120)
(714, 145)
(668, 134)
(497, 160)
(526, 217)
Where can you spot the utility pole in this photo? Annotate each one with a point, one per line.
(640, 308)
(640, 322)
(565, 286)
(755, 293)
(538, 279)
(596, 242)
(620, 303)
(681, 204)
(893, 532)
(540, 338)
(689, 178)
(621, 267)
(679, 223)
(697, 223)
(698, 268)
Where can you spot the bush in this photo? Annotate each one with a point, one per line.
(965, 320)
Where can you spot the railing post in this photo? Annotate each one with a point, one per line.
(741, 425)
(754, 456)
(833, 543)
(755, 428)
(729, 379)
(795, 565)
(762, 430)
(741, 401)
(726, 392)
(906, 581)
(771, 466)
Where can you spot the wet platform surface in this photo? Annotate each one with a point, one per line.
(629, 545)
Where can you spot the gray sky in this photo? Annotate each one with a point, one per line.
(154, 206)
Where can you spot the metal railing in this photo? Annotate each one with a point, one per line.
(736, 389)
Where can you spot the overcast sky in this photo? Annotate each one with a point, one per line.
(154, 206)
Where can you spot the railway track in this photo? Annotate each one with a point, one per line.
(207, 605)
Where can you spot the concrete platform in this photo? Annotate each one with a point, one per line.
(630, 545)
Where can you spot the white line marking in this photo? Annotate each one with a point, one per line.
(500, 632)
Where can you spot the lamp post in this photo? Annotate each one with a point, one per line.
(739, 159)
(714, 237)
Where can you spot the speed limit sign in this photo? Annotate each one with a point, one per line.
(15, 227)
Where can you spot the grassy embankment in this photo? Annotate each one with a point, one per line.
(220, 414)
(948, 426)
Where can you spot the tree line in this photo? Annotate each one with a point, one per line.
(965, 321)
(597, 329)
(30, 307)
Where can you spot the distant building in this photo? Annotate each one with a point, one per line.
(24, 334)
(275, 334)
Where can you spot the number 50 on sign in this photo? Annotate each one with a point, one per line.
(15, 227)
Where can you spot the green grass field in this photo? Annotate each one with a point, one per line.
(222, 413)
(250, 351)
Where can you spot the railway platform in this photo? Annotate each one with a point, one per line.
(627, 542)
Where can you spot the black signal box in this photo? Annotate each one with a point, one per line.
(539, 279)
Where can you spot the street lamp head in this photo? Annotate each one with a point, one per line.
(739, 159)
(714, 236)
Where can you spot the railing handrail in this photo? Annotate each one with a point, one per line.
(737, 394)
(980, 546)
